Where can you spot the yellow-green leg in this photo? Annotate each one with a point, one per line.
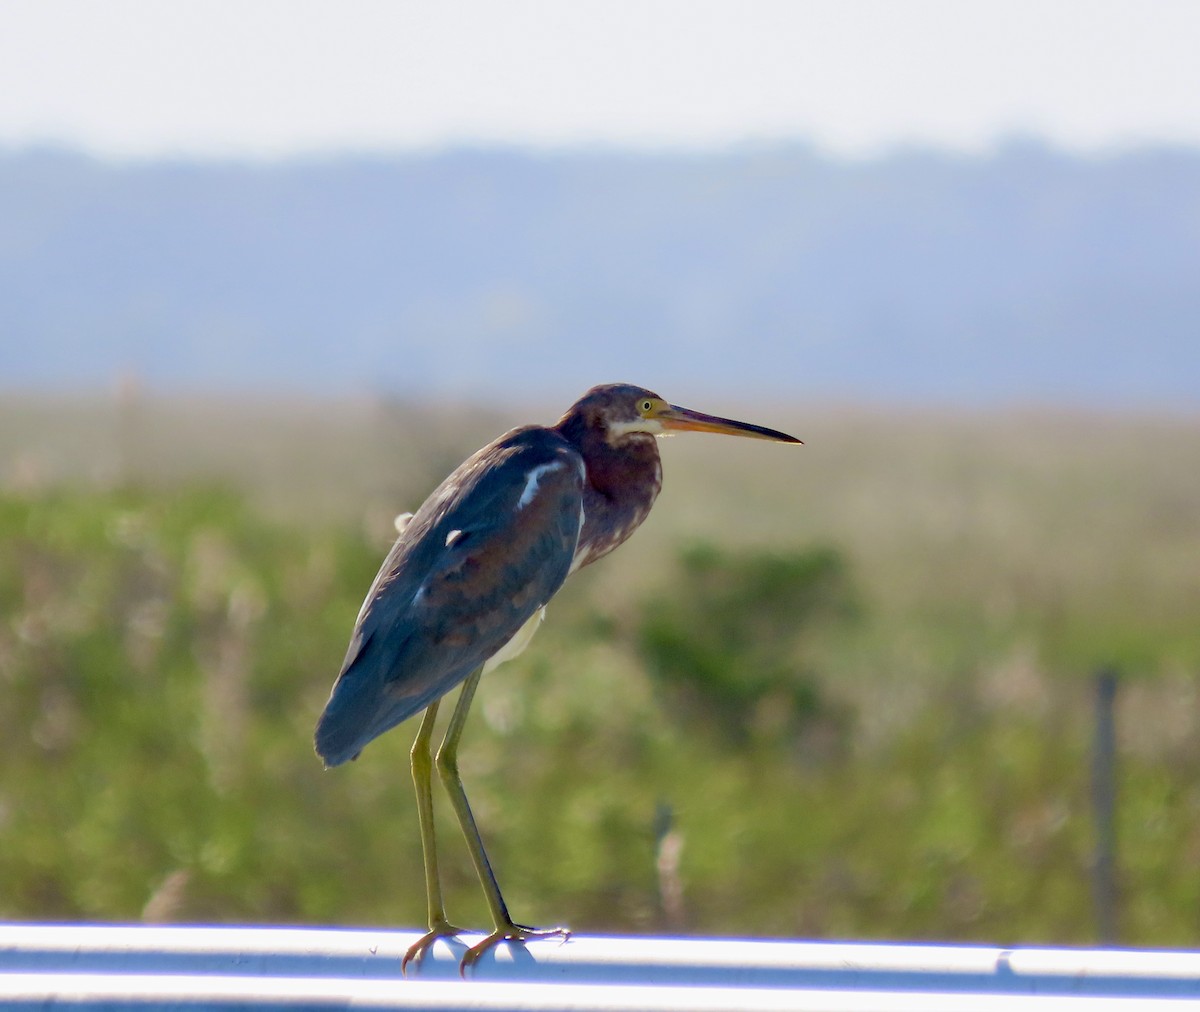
(422, 773)
(447, 764)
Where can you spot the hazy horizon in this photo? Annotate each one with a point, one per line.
(1030, 276)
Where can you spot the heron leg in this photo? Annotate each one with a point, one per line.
(447, 764)
(422, 774)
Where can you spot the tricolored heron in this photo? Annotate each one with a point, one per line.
(466, 584)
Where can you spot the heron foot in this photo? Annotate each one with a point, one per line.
(510, 932)
(438, 929)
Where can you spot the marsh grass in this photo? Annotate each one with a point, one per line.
(178, 579)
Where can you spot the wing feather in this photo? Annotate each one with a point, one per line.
(443, 603)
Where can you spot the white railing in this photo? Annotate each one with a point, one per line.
(88, 967)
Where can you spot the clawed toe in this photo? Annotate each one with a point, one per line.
(508, 933)
(418, 949)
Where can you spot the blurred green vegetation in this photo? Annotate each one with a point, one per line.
(726, 641)
(720, 730)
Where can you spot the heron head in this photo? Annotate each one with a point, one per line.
(623, 411)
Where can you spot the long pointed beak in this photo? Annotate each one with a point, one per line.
(687, 420)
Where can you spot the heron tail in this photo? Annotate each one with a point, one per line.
(363, 704)
(358, 711)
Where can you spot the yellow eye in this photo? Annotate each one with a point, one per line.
(646, 406)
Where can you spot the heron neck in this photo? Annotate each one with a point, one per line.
(622, 484)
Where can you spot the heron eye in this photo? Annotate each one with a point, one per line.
(647, 407)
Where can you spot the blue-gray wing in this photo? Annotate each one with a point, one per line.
(490, 546)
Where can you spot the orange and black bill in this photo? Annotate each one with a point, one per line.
(686, 420)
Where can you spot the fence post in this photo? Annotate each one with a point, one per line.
(1104, 806)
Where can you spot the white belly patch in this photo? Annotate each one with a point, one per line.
(518, 643)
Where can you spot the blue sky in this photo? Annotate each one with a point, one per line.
(273, 78)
